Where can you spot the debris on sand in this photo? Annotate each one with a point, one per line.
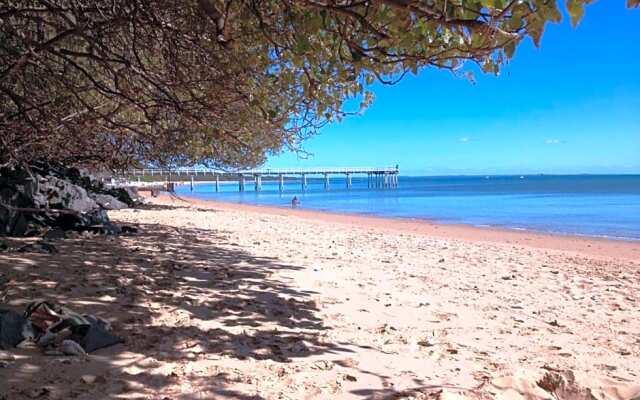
(55, 329)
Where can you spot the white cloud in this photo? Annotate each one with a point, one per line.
(552, 141)
(464, 139)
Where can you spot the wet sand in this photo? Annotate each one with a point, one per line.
(599, 247)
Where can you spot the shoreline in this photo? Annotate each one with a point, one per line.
(589, 245)
(430, 221)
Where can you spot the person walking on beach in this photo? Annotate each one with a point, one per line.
(295, 202)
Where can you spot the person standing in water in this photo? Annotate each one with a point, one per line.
(295, 202)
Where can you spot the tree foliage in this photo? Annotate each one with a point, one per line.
(225, 82)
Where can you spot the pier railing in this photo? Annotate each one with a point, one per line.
(384, 177)
(267, 171)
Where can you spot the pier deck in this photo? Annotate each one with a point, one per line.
(382, 178)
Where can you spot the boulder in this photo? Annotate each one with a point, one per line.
(80, 222)
(49, 199)
(68, 222)
(122, 194)
(108, 202)
(53, 192)
(97, 217)
(16, 189)
(19, 225)
(13, 223)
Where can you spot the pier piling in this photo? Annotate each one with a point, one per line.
(241, 183)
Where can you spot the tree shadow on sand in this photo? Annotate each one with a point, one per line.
(176, 296)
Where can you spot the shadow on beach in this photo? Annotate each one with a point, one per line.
(174, 295)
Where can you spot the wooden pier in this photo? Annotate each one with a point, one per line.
(377, 178)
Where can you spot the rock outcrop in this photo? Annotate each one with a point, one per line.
(46, 196)
(56, 193)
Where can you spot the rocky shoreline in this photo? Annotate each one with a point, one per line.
(44, 199)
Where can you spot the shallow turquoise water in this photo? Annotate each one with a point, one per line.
(592, 205)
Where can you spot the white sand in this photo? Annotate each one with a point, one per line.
(235, 303)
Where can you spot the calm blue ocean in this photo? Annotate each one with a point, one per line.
(591, 205)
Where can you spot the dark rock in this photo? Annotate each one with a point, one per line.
(20, 225)
(129, 230)
(113, 229)
(82, 222)
(98, 335)
(53, 196)
(7, 221)
(11, 177)
(72, 348)
(56, 193)
(55, 234)
(10, 197)
(38, 247)
(69, 222)
(73, 174)
(133, 193)
(108, 202)
(97, 217)
(6, 194)
(14, 328)
(16, 223)
(122, 195)
(104, 229)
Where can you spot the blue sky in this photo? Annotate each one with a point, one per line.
(570, 106)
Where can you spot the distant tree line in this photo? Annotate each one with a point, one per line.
(115, 83)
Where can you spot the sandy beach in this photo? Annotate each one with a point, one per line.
(225, 301)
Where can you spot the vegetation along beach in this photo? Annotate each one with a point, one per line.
(319, 199)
